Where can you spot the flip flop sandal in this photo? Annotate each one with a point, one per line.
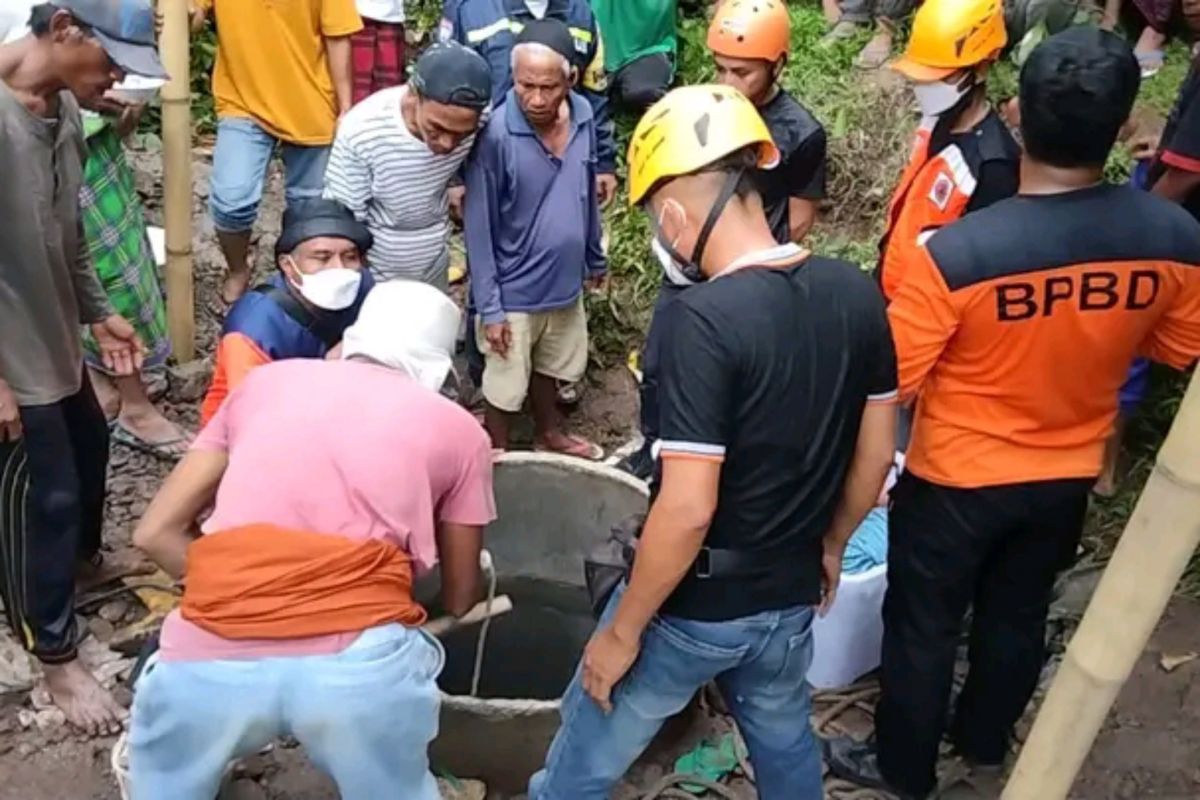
(1151, 61)
(161, 450)
(580, 448)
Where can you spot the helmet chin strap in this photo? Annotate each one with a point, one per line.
(691, 267)
(941, 129)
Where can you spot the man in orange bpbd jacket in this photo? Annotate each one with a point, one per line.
(963, 158)
(1016, 326)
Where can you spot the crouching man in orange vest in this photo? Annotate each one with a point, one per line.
(964, 157)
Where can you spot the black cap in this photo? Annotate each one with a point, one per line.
(551, 33)
(308, 219)
(125, 29)
(1083, 57)
(451, 73)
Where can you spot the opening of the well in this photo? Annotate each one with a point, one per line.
(552, 510)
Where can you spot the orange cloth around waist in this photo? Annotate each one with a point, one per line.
(266, 582)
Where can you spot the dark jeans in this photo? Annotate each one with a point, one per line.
(998, 550)
(867, 10)
(648, 393)
(51, 516)
(642, 82)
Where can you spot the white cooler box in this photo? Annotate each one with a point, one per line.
(847, 642)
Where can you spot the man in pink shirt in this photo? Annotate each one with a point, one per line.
(333, 483)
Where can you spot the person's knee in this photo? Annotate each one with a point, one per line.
(60, 508)
(233, 205)
(641, 95)
(304, 172)
(240, 162)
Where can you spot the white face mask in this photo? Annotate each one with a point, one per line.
(331, 289)
(671, 268)
(939, 97)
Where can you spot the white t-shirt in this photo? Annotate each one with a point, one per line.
(382, 10)
(397, 186)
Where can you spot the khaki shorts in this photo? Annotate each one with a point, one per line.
(550, 343)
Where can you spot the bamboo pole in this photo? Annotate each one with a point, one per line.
(1158, 541)
(177, 178)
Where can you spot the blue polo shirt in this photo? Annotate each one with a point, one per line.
(532, 222)
(490, 27)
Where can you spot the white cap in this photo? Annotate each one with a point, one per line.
(409, 326)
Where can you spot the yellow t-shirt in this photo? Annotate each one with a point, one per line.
(271, 64)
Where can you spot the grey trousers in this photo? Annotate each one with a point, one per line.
(867, 10)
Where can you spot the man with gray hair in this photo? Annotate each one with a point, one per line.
(533, 239)
(396, 152)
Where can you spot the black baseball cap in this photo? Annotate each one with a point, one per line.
(310, 218)
(552, 33)
(451, 73)
(125, 28)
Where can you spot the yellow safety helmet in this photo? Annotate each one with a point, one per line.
(949, 35)
(690, 128)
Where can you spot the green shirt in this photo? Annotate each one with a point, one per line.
(631, 29)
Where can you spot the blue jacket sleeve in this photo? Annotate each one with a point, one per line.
(597, 262)
(450, 27)
(481, 215)
(594, 86)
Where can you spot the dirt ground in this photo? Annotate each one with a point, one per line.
(1150, 747)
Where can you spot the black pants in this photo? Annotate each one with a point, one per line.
(997, 550)
(51, 517)
(642, 83)
(651, 356)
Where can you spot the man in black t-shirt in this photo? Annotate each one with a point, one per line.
(749, 42)
(1175, 173)
(778, 427)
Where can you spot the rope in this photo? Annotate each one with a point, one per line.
(665, 787)
(481, 643)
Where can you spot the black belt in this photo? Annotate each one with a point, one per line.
(715, 562)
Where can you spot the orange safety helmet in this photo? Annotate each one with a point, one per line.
(949, 35)
(758, 29)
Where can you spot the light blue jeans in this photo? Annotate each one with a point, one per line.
(365, 716)
(759, 663)
(240, 160)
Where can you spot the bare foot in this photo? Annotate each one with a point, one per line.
(155, 430)
(841, 31)
(876, 52)
(87, 705)
(106, 394)
(559, 442)
(235, 285)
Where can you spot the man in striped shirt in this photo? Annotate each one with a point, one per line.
(395, 154)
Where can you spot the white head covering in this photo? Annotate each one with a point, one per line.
(409, 326)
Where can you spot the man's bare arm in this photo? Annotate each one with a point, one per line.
(338, 53)
(1176, 184)
(458, 552)
(671, 540)
(874, 453)
(169, 524)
